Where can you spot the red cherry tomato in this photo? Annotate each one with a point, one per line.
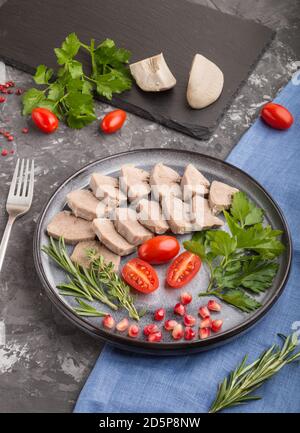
(277, 116)
(44, 119)
(113, 121)
(159, 249)
(140, 275)
(183, 269)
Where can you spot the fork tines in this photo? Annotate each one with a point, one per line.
(23, 180)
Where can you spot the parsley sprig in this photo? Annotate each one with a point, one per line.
(238, 387)
(243, 262)
(69, 94)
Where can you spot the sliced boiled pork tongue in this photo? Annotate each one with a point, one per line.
(150, 216)
(220, 196)
(80, 254)
(128, 226)
(202, 216)
(108, 235)
(177, 215)
(107, 188)
(164, 182)
(72, 229)
(134, 182)
(193, 182)
(83, 204)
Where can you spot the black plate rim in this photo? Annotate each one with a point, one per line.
(147, 347)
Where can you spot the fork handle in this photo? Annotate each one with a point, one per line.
(5, 238)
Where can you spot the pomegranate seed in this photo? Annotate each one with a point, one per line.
(155, 337)
(204, 333)
(133, 331)
(179, 309)
(7, 84)
(122, 325)
(177, 332)
(6, 134)
(170, 325)
(12, 151)
(186, 298)
(205, 323)
(159, 314)
(150, 329)
(203, 312)
(189, 320)
(19, 92)
(189, 333)
(10, 138)
(216, 325)
(108, 321)
(25, 130)
(2, 99)
(4, 90)
(213, 305)
(10, 91)
(4, 152)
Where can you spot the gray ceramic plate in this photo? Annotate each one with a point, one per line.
(235, 322)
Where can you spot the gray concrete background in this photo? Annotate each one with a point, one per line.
(44, 360)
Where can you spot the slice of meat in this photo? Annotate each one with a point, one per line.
(150, 215)
(177, 215)
(202, 216)
(71, 228)
(106, 187)
(80, 257)
(193, 182)
(134, 182)
(164, 181)
(127, 225)
(220, 196)
(108, 235)
(84, 204)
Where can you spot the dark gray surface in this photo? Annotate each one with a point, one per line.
(44, 361)
(177, 28)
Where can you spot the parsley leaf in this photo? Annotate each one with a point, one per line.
(42, 75)
(244, 211)
(31, 99)
(239, 299)
(241, 261)
(70, 94)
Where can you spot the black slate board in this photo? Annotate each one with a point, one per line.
(178, 28)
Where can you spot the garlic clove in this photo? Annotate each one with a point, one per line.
(153, 74)
(205, 82)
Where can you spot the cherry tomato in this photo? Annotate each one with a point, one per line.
(159, 249)
(113, 121)
(140, 275)
(44, 119)
(183, 269)
(277, 116)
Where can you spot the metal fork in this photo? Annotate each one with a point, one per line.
(19, 199)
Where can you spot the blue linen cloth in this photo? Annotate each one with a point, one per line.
(125, 382)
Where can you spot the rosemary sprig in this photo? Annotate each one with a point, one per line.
(116, 287)
(87, 310)
(237, 388)
(84, 283)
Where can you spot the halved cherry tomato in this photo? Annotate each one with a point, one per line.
(183, 269)
(44, 119)
(277, 116)
(140, 275)
(159, 249)
(113, 121)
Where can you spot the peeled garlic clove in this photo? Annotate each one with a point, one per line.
(153, 74)
(205, 83)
